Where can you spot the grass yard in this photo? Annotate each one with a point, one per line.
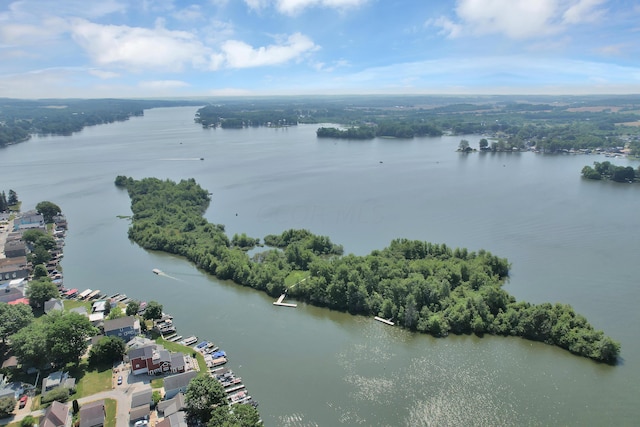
(71, 304)
(157, 383)
(110, 407)
(294, 277)
(92, 381)
(17, 423)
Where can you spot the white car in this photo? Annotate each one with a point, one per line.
(141, 423)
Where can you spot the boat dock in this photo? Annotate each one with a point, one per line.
(284, 304)
(385, 321)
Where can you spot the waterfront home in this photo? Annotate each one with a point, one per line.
(155, 359)
(29, 220)
(174, 420)
(15, 248)
(92, 414)
(14, 268)
(56, 415)
(178, 383)
(53, 305)
(123, 327)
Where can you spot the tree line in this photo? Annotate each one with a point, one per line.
(422, 286)
(607, 170)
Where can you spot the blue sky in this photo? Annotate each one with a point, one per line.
(165, 48)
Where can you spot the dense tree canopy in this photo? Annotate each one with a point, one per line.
(153, 310)
(607, 170)
(240, 415)
(13, 318)
(41, 291)
(422, 286)
(204, 393)
(48, 210)
(107, 350)
(7, 405)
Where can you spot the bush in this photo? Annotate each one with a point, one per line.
(7, 405)
(61, 394)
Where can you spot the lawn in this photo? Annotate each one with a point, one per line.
(17, 423)
(295, 277)
(174, 346)
(91, 381)
(71, 304)
(110, 407)
(157, 383)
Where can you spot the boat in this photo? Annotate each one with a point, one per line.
(189, 341)
(156, 271)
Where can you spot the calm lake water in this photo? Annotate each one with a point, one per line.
(569, 241)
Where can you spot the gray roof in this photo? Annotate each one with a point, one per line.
(141, 397)
(174, 420)
(145, 352)
(92, 414)
(53, 304)
(177, 381)
(171, 406)
(177, 361)
(7, 392)
(121, 322)
(139, 412)
(55, 416)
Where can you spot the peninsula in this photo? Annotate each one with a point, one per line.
(421, 286)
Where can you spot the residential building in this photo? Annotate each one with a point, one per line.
(171, 406)
(53, 305)
(56, 415)
(92, 414)
(177, 383)
(123, 327)
(153, 359)
(57, 379)
(141, 404)
(174, 420)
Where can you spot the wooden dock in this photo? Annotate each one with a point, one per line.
(284, 304)
(385, 321)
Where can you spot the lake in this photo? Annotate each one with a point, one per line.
(569, 240)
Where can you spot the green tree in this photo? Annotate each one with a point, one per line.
(590, 173)
(41, 291)
(67, 335)
(28, 421)
(61, 394)
(241, 415)
(48, 210)
(39, 255)
(132, 308)
(13, 198)
(107, 350)
(203, 394)
(115, 313)
(30, 345)
(464, 146)
(156, 397)
(13, 318)
(484, 144)
(153, 310)
(40, 271)
(7, 405)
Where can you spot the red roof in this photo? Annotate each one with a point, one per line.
(71, 292)
(19, 301)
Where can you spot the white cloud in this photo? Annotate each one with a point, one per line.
(189, 13)
(517, 19)
(138, 48)
(292, 7)
(163, 84)
(102, 74)
(238, 54)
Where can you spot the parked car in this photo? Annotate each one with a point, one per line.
(23, 401)
(120, 380)
(141, 423)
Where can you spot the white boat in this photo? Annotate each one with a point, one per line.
(156, 271)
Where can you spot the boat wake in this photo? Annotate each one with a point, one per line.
(163, 274)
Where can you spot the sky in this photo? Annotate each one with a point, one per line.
(181, 48)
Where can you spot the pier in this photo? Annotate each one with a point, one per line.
(385, 321)
(284, 304)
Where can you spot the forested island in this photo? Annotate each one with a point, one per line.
(607, 171)
(422, 286)
(547, 124)
(19, 119)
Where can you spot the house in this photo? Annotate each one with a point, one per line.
(92, 414)
(123, 327)
(141, 404)
(174, 420)
(58, 379)
(99, 306)
(177, 383)
(154, 359)
(29, 220)
(15, 248)
(56, 415)
(53, 305)
(171, 406)
(7, 392)
(14, 268)
(9, 294)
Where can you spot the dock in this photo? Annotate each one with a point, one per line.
(284, 304)
(385, 321)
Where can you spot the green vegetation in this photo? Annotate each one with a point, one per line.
(21, 118)
(204, 393)
(422, 286)
(13, 318)
(7, 405)
(110, 409)
(606, 170)
(107, 350)
(41, 291)
(92, 380)
(48, 210)
(28, 421)
(157, 383)
(153, 310)
(61, 394)
(176, 347)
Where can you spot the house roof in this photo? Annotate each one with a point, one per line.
(171, 406)
(119, 323)
(55, 416)
(141, 397)
(174, 420)
(145, 352)
(92, 414)
(53, 304)
(139, 412)
(177, 381)
(177, 361)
